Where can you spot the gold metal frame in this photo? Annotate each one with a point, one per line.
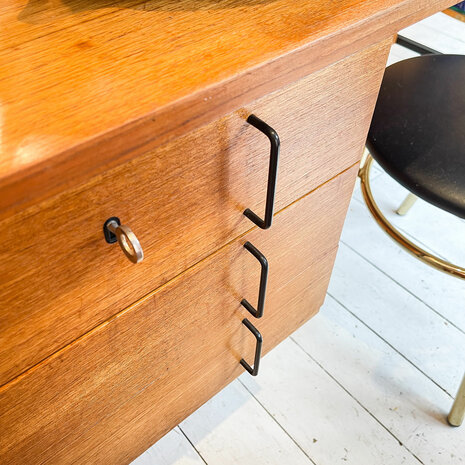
(405, 243)
(457, 413)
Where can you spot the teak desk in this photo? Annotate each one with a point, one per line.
(141, 111)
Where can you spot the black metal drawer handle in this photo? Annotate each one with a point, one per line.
(272, 173)
(258, 348)
(258, 313)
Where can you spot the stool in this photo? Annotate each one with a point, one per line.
(417, 136)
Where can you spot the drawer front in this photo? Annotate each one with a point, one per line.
(59, 278)
(171, 351)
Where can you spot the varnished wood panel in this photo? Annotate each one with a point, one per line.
(455, 14)
(167, 354)
(84, 84)
(141, 421)
(59, 278)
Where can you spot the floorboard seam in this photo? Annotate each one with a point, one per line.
(279, 424)
(358, 402)
(192, 444)
(403, 287)
(389, 344)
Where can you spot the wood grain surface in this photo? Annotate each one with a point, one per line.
(87, 84)
(59, 278)
(180, 344)
(455, 14)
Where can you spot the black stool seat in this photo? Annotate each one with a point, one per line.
(418, 129)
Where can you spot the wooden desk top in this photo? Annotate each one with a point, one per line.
(86, 84)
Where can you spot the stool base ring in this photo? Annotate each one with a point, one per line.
(405, 243)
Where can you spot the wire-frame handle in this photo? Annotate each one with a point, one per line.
(258, 348)
(272, 173)
(258, 313)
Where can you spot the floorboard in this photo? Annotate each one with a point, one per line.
(400, 318)
(234, 428)
(441, 292)
(405, 401)
(172, 448)
(323, 418)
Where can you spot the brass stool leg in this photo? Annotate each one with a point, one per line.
(457, 412)
(407, 204)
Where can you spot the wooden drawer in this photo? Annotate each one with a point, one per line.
(165, 355)
(59, 278)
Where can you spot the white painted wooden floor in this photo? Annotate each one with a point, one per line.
(368, 381)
